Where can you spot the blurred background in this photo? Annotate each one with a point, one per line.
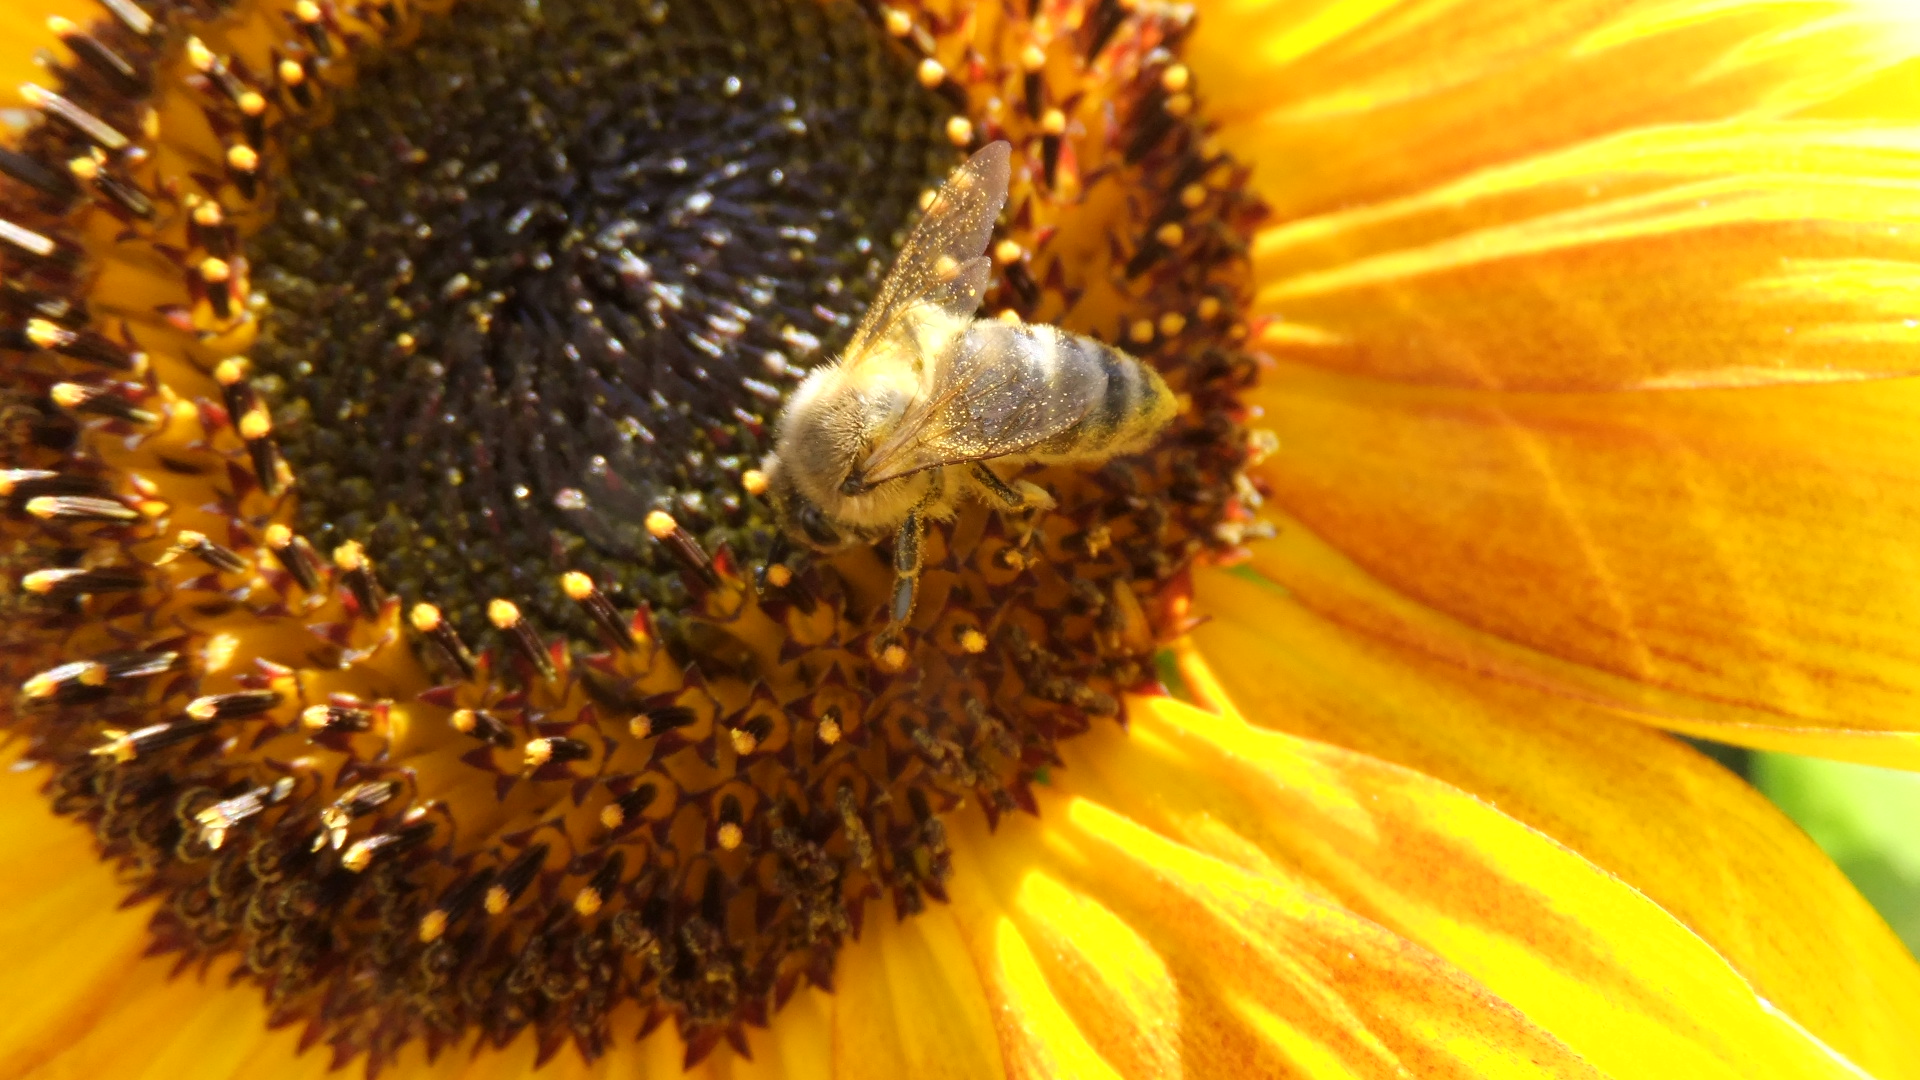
(1867, 819)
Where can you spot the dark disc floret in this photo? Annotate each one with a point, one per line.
(550, 269)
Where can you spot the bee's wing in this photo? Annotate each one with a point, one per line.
(941, 264)
(984, 403)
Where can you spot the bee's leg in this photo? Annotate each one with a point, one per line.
(906, 565)
(1013, 498)
(1020, 497)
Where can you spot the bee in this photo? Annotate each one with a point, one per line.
(927, 400)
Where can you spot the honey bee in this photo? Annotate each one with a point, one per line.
(927, 398)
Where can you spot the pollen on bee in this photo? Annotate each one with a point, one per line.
(946, 267)
(1009, 316)
(959, 131)
(754, 482)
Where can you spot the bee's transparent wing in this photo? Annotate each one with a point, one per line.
(983, 403)
(942, 264)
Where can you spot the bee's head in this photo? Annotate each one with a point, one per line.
(800, 517)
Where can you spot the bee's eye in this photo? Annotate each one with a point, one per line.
(818, 529)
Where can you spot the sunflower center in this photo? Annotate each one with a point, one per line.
(366, 373)
(550, 269)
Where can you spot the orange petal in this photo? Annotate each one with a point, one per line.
(1693, 838)
(1734, 254)
(1344, 102)
(1227, 971)
(1196, 827)
(908, 1003)
(1729, 562)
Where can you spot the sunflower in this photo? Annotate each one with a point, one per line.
(392, 595)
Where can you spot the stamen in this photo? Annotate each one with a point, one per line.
(74, 116)
(125, 746)
(335, 719)
(188, 542)
(662, 527)
(589, 900)
(131, 15)
(514, 879)
(235, 706)
(31, 172)
(505, 617)
(99, 401)
(385, 845)
(581, 590)
(83, 345)
(80, 508)
(482, 725)
(294, 555)
(123, 76)
(350, 559)
(26, 239)
(356, 802)
(426, 619)
(221, 818)
(76, 582)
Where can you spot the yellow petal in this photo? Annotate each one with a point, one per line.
(1344, 102)
(1265, 975)
(1730, 562)
(1694, 839)
(1733, 254)
(907, 1003)
(1175, 824)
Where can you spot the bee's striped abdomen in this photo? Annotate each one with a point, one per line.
(1128, 402)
